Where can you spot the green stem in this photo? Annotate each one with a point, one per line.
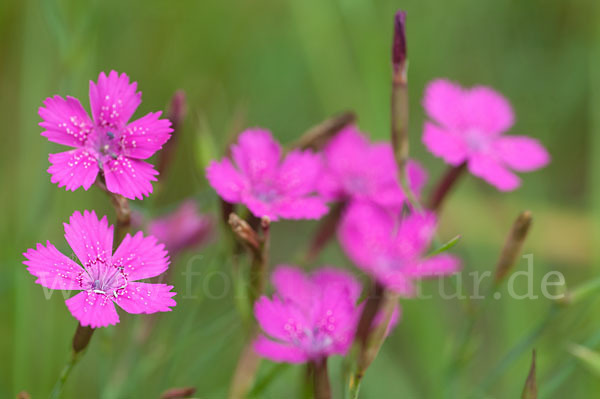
(64, 375)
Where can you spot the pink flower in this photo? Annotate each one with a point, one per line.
(263, 182)
(468, 128)
(108, 143)
(391, 249)
(105, 278)
(357, 169)
(310, 316)
(184, 228)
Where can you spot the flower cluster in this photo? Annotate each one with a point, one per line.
(114, 148)
(382, 228)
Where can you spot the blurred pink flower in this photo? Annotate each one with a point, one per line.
(357, 169)
(391, 249)
(108, 143)
(105, 278)
(185, 228)
(310, 316)
(468, 128)
(263, 182)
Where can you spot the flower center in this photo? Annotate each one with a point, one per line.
(104, 278)
(266, 193)
(476, 140)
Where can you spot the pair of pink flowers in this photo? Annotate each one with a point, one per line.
(114, 147)
(299, 185)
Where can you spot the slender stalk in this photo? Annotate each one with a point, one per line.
(399, 100)
(176, 114)
(122, 211)
(64, 375)
(321, 384)
(81, 339)
(400, 106)
(317, 137)
(325, 232)
(368, 348)
(258, 246)
(512, 246)
(246, 369)
(372, 305)
(444, 185)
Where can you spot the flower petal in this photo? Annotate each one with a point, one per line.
(327, 277)
(94, 310)
(257, 154)
(143, 137)
(443, 103)
(435, 266)
(417, 176)
(492, 171)
(73, 169)
(299, 172)
(415, 234)
(365, 233)
(91, 239)
(280, 319)
(292, 284)
(53, 269)
(65, 121)
(113, 100)
(445, 144)
(226, 180)
(146, 298)
(279, 352)
(521, 153)
(141, 257)
(487, 111)
(301, 208)
(345, 150)
(131, 178)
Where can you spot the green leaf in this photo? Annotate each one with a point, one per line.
(590, 358)
(447, 246)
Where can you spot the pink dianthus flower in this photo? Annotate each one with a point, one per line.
(108, 143)
(183, 228)
(357, 169)
(265, 183)
(104, 278)
(310, 316)
(469, 126)
(392, 249)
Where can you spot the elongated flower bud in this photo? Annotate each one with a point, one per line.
(244, 232)
(176, 114)
(399, 44)
(178, 393)
(512, 246)
(530, 389)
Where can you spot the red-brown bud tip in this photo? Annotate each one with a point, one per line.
(399, 45)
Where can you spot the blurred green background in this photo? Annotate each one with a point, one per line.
(286, 65)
